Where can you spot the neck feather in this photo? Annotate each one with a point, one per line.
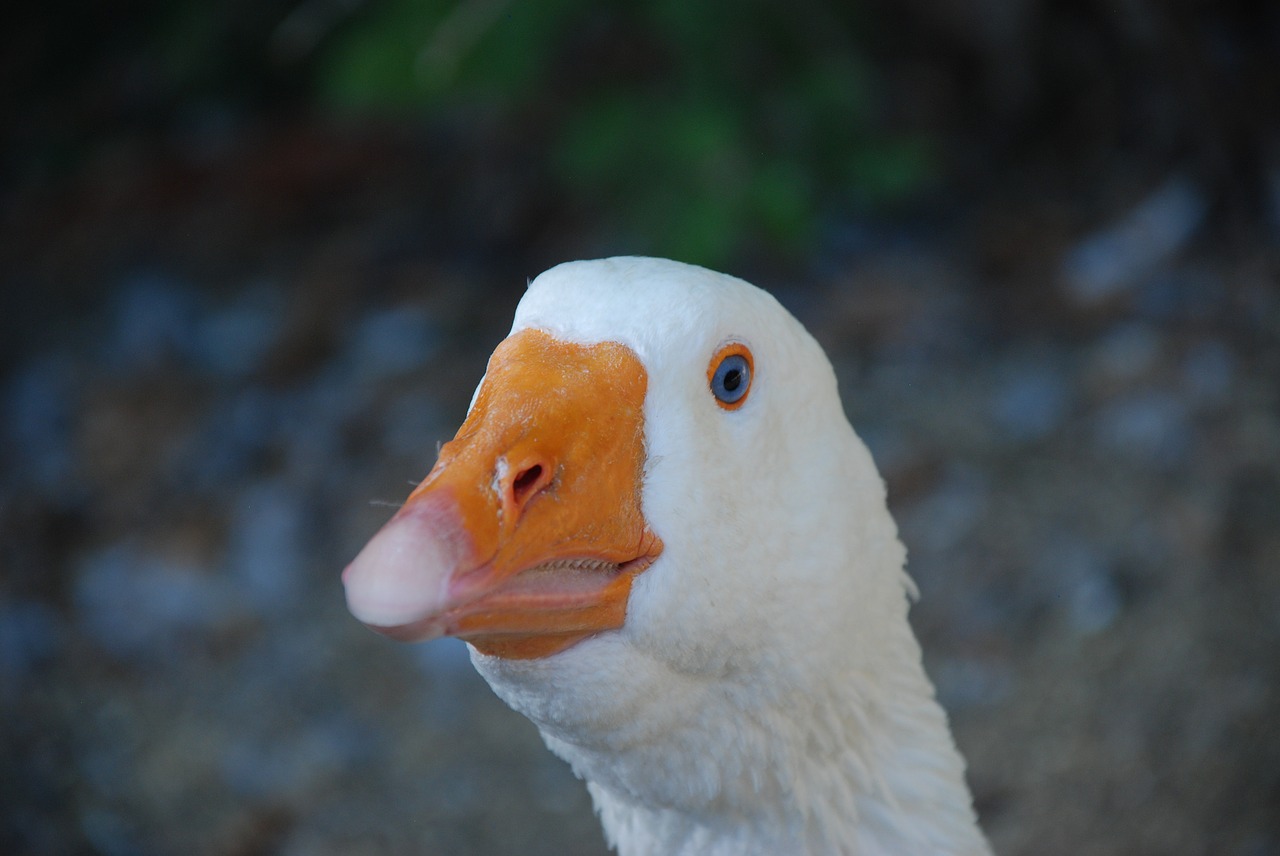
(863, 764)
(766, 694)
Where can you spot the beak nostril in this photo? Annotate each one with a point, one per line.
(526, 484)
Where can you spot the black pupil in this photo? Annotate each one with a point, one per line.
(732, 378)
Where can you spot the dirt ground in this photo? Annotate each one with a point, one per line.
(224, 367)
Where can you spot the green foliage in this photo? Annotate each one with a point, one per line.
(741, 120)
(413, 54)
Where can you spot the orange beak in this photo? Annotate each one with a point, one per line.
(526, 535)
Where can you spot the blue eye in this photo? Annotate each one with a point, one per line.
(730, 377)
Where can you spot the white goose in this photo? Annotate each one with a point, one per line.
(668, 549)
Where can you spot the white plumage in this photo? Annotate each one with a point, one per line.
(765, 693)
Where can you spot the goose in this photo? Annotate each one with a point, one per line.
(666, 546)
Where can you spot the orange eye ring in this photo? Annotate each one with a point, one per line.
(729, 375)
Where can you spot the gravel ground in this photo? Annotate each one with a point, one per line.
(223, 368)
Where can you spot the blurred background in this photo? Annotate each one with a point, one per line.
(256, 253)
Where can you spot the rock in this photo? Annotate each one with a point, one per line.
(235, 339)
(1075, 578)
(1031, 402)
(154, 320)
(40, 399)
(110, 834)
(452, 686)
(969, 682)
(141, 607)
(265, 547)
(943, 518)
(30, 634)
(412, 425)
(1125, 355)
(1187, 295)
(1208, 373)
(1110, 261)
(1150, 426)
(264, 767)
(311, 423)
(388, 342)
(238, 431)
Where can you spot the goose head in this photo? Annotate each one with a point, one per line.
(667, 548)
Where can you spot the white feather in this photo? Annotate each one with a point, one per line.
(766, 693)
